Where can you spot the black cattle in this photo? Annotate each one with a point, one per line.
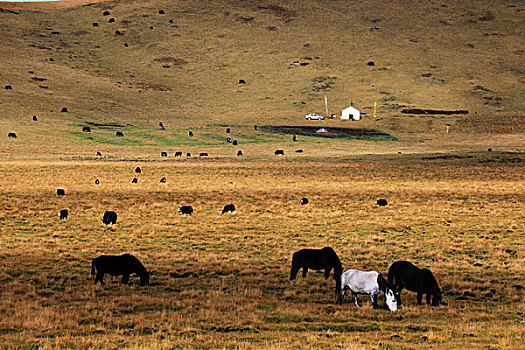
(299, 151)
(86, 129)
(150, 27)
(188, 154)
(228, 208)
(186, 209)
(134, 181)
(229, 139)
(239, 153)
(235, 143)
(12, 135)
(190, 133)
(228, 130)
(304, 201)
(61, 192)
(63, 214)
(35, 118)
(116, 265)
(255, 127)
(97, 181)
(163, 180)
(163, 154)
(381, 202)
(138, 170)
(95, 24)
(404, 274)
(119, 134)
(294, 138)
(110, 217)
(111, 20)
(370, 63)
(99, 154)
(178, 154)
(161, 12)
(106, 13)
(242, 81)
(318, 259)
(8, 87)
(278, 152)
(64, 110)
(489, 149)
(203, 154)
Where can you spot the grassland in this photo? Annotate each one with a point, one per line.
(221, 281)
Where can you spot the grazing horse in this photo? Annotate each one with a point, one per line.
(117, 265)
(367, 282)
(404, 274)
(318, 259)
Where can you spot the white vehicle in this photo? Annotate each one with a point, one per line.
(314, 116)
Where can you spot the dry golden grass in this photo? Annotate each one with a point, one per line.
(221, 281)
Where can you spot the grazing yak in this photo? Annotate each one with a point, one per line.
(188, 154)
(203, 154)
(228, 208)
(381, 202)
(110, 217)
(116, 265)
(228, 130)
(61, 192)
(235, 143)
(99, 154)
(63, 214)
(119, 134)
(138, 170)
(35, 118)
(163, 154)
(163, 180)
(97, 181)
(278, 152)
(239, 153)
(12, 135)
(134, 181)
(304, 201)
(404, 274)
(318, 259)
(64, 109)
(186, 209)
(178, 154)
(86, 129)
(190, 133)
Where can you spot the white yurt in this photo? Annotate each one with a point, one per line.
(351, 113)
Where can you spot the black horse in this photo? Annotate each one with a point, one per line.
(117, 265)
(318, 259)
(404, 274)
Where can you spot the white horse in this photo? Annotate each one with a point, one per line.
(367, 282)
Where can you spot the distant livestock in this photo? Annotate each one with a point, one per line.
(64, 110)
(229, 140)
(11, 135)
(134, 181)
(86, 129)
(242, 82)
(186, 209)
(404, 274)
(35, 118)
(255, 127)
(106, 13)
(63, 214)
(367, 282)
(61, 192)
(178, 154)
(116, 265)
(239, 153)
(318, 259)
(99, 154)
(188, 154)
(203, 154)
(228, 130)
(160, 127)
(163, 180)
(381, 202)
(235, 143)
(110, 217)
(8, 87)
(163, 154)
(161, 12)
(95, 24)
(119, 134)
(138, 170)
(304, 201)
(299, 151)
(190, 133)
(278, 152)
(97, 181)
(228, 208)
(111, 20)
